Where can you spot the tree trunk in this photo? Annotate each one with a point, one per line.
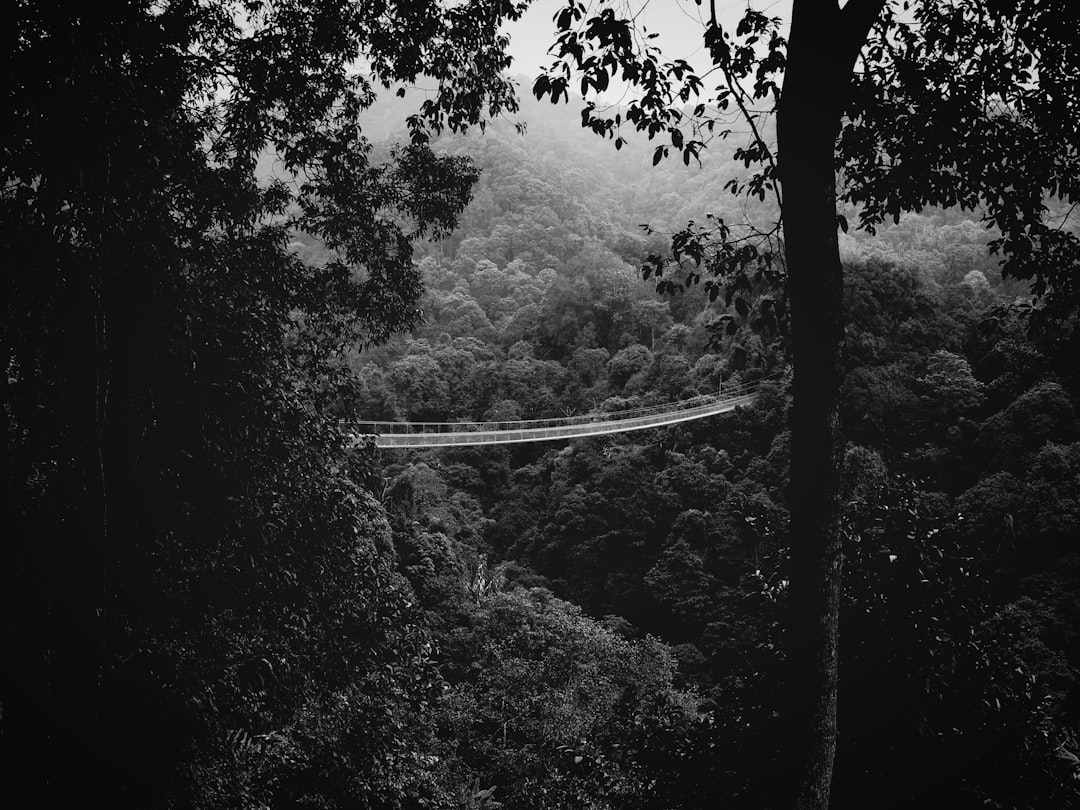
(808, 122)
(823, 45)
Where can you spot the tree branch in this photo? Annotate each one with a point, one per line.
(856, 19)
(738, 94)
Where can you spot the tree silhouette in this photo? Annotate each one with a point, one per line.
(186, 541)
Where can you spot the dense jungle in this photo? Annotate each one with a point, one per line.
(218, 594)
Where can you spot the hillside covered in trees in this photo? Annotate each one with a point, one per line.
(960, 481)
(224, 251)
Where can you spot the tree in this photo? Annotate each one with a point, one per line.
(967, 103)
(536, 688)
(188, 538)
(948, 387)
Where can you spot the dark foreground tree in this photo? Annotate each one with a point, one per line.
(897, 105)
(199, 600)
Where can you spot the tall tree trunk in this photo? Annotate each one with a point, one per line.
(823, 44)
(816, 289)
(807, 125)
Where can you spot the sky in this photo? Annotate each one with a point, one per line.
(679, 25)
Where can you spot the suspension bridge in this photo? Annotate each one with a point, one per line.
(440, 434)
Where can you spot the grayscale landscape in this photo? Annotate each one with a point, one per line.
(678, 423)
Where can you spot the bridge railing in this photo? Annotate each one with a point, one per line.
(508, 436)
(662, 412)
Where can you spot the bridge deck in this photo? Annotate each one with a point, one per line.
(441, 434)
